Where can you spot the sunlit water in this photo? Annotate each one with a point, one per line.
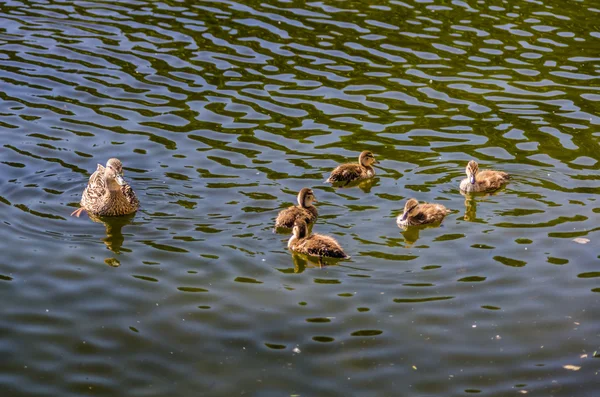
(221, 111)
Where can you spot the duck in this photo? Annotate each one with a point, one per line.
(314, 244)
(421, 214)
(304, 210)
(107, 193)
(482, 181)
(354, 172)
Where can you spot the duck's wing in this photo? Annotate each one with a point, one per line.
(95, 188)
(492, 179)
(97, 178)
(287, 217)
(345, 172)
(130, 196)
(432, 213)
(290, 215)
(419, 218)
(313, 213)
(319, 245)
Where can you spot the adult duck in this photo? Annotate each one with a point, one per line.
(107, 193)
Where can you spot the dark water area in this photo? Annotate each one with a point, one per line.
(221, 111)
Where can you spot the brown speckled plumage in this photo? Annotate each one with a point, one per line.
(482, 181)
(421, 214)
(304, 211)
(107, 194)
(314, 244)
(354, 172)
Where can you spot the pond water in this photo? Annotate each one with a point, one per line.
(221, 111)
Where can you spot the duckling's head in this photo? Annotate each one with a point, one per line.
(113, 174)
(366, 159)
(472, 170)
(306, 197)
(300, 229)
(409, 208)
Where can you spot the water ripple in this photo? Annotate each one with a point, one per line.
(221, 111)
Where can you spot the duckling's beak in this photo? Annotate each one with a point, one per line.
(120, 180)
(375, 161)
(315, 200)
(472, 179)
(404, 216)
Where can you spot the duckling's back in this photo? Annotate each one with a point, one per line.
(487, 180)
(319, 245)
(289, 216)
(349, 172)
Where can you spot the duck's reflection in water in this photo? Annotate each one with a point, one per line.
(471, 200)
(302, 261)
(365, 184)
(114, 237)
(411, 233)
(470, 208)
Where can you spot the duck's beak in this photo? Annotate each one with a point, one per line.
(472, 179)
(404, 216)
(375, 161)
(315, 200)
(120, 180)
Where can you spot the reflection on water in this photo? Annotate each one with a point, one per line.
(222, 111)
(479, 198)
(411, 233)
(302, 262)
(365, 185)
(470, 208)
(114, 236)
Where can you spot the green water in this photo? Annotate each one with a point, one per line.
(221, 111)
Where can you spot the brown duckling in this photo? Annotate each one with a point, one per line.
(354, 172)
(314, 244)
(421, 214)
(303, 211)
(107, 193)
(482, 181)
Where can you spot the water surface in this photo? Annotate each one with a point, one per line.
(221, 111)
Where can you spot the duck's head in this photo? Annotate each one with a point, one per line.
(366, 159)
(113, 174)
(409, 208)
(472, 170)
(300, 229)
(306, 197)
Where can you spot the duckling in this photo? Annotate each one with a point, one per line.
(107, 193)
(482, 181)
(314, 244)
(304, 210)
(421, 214)
(354, 172)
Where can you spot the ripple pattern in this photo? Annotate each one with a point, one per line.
(221, 111)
